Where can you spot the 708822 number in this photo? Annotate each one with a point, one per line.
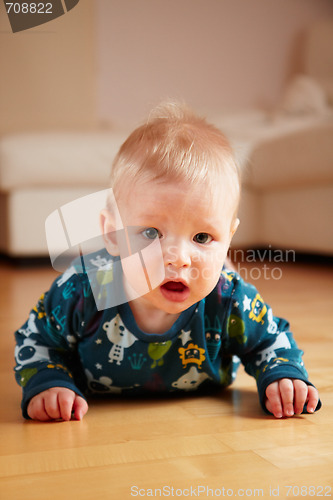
(308, 491)
(29, 8)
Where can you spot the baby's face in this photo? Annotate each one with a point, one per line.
(188, 233)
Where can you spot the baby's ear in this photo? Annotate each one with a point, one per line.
(234, 227)
(108, 230)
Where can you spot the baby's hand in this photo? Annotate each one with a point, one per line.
(287, 397)
(57, 403)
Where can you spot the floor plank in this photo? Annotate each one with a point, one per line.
(209, 447)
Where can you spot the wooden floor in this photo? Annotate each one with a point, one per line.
(206, 447)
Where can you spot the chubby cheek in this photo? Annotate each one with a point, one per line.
(211, 263)
(204, 278)
(211, 269)
(209, 279)
(144, 270)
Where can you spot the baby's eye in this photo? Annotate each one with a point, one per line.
(202, 238)
(151, 233)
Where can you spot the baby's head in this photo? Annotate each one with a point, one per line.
(176, 188)
(175, 145)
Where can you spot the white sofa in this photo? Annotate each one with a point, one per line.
(286, 157)
(287, 167)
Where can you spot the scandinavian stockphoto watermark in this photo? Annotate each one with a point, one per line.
(205, 491)
(27, 14)
(77, 243)
(261, 263)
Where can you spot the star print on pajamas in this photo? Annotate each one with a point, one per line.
(246, 303)
(185, 336)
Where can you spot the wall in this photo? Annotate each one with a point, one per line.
(214, 54)
(109, 61)
(48, 73)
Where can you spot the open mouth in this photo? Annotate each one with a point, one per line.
(176, 291)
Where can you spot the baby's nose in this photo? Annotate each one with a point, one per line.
(178, 255)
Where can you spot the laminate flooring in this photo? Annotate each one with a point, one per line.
(215, 446)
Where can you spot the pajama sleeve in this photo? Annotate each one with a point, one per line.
(263, 342)
(46, 345)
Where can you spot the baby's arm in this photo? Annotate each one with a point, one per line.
(57, 403)
(266, 346)
(287, 397)
(46, 352)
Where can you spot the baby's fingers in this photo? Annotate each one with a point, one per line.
(65, 402)
(286, 388)
(51, 404)
(71, 405)
(313, 398)
(300, 396)
(57, 403)
(287, 397)
(80, 407)
(36, 409)
(273, 403)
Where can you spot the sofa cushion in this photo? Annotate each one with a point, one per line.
(283, 150)
(303, 95)
(301, 158)
(57, 159)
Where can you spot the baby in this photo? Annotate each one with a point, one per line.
(173, 317)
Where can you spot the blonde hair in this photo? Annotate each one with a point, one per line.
(176, 145)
